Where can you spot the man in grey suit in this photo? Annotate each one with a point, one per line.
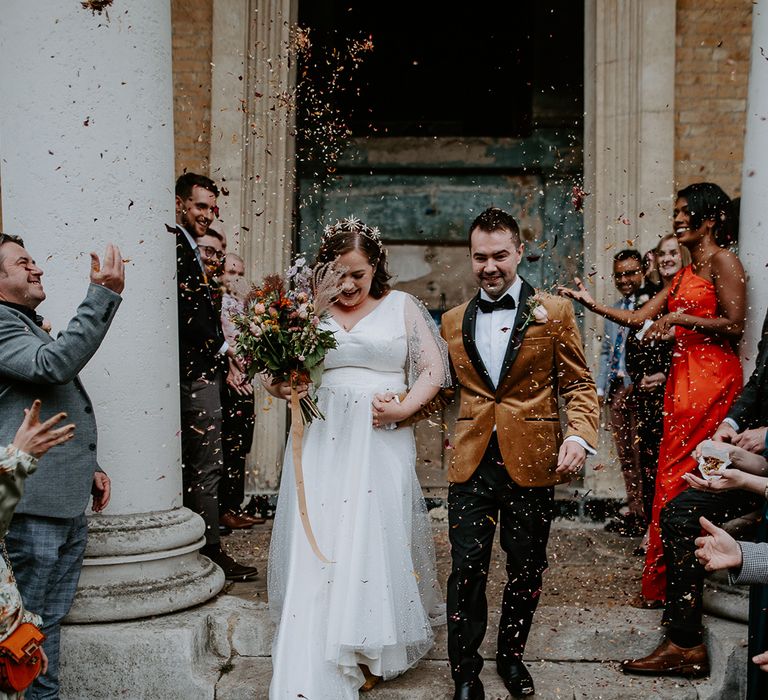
(47, 537)
(614, 386)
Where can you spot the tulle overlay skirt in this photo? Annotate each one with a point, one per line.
(377, 602)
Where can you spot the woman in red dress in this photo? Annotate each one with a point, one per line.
(704, 309)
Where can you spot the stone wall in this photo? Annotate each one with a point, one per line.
(192, 42)
(712, 70)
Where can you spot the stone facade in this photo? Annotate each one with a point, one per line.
(192, 53)
(712, 66)
(712, 69)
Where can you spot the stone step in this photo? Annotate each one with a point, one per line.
(572, 653)
(248, 679)
(224, 646)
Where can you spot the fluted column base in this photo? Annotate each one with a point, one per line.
(144, 564)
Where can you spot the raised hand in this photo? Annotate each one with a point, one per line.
(36, 438)
(717, 549)
(580, 294)
(111, 272)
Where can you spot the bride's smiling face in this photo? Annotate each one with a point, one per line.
(356, 280)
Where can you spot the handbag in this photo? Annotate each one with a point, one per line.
(21, 658)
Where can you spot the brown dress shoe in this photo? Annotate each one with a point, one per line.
(668, 659)
(230, 519)
(253, 519)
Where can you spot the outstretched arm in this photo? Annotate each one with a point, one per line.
(634, 318)
(28, 358)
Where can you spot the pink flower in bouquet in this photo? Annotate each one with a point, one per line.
(259, 309)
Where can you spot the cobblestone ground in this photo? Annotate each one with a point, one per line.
(587, 566)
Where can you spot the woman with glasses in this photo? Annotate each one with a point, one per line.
(703, 309)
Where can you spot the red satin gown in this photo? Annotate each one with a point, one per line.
(704, 380)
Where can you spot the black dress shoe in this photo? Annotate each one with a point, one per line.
(517, 680)
(233, 571)
(469, 690)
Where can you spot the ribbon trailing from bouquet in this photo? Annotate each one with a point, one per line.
(297, 434)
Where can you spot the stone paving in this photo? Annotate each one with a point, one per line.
(584, 626)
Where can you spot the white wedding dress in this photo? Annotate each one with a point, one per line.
(377, 602)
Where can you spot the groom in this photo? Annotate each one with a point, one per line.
(514, 354)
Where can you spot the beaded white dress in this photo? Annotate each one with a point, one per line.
(378, 600)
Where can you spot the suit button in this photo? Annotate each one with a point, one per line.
(88, 409)
(92, 447)
(498, 400)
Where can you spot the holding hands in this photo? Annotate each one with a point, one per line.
(387, 409)
(110, 273)
(237, 380)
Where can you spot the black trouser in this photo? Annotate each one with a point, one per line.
(524, 515)
(649, 407)
(201, 450)
(685, 575)
(236, 438)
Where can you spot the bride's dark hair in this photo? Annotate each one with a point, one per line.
(349, 235)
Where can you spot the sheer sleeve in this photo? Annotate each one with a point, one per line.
(428, 364)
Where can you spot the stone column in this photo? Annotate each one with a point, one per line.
(252, 154)
(86, 145)
(629, 81)
(753, 223)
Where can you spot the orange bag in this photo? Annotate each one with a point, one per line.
(20, 658)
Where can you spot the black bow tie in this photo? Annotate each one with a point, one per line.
(487, 307)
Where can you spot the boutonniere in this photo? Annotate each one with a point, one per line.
(537, 312)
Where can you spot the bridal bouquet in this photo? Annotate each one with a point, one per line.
(279, 330)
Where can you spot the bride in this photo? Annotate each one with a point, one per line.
(368, 614)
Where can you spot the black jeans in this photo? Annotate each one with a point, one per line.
(685, 575)
(649, 407)
(236, 438)
(524, 515)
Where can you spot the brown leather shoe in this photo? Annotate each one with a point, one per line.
(668, 659)
(253, 519)
(230, 519)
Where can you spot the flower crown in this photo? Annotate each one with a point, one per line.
(353, 225)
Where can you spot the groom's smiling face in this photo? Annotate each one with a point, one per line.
(495, 257)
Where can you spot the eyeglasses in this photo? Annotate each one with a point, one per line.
(211, 252)
(627, 274)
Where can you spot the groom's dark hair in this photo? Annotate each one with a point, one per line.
(495, 219)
